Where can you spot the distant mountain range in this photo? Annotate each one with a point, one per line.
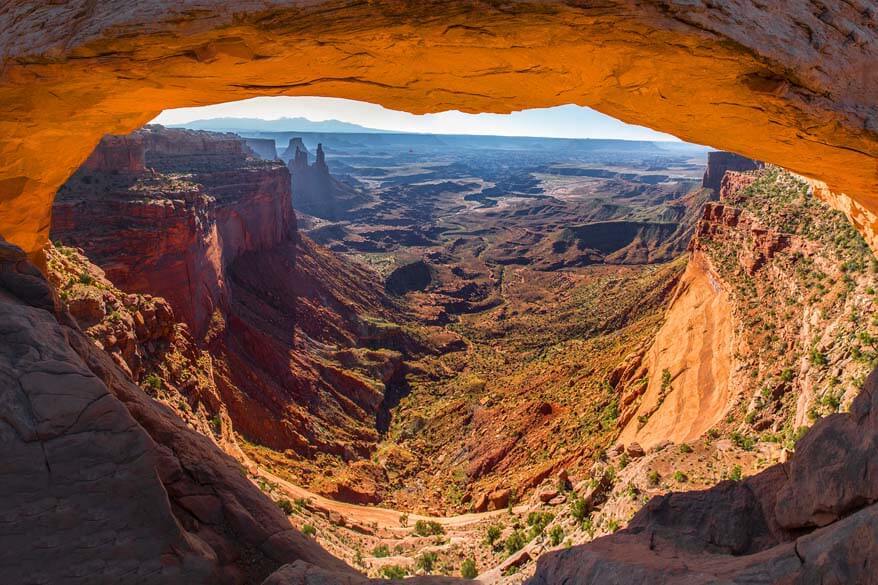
(282, 129)
(279, 125)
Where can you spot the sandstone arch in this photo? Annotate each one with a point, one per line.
(792, 83)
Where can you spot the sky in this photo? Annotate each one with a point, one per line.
(560, 122)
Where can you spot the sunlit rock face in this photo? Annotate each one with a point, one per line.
(185, 204)
(788, 83)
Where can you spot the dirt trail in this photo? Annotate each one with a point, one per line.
(385, 518)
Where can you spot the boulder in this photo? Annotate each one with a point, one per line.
(547, 494)
(634, 450)
(499, 499)
(481, 503)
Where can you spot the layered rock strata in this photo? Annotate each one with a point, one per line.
(302, 344)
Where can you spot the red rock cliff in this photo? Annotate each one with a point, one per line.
(173, 234)
(118, 154)
(719, 162)
(212, 230)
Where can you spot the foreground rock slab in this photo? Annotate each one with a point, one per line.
(101, 484)
(811, 520)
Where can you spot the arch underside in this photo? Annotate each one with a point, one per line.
(792, 84)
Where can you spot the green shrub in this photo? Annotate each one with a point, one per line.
(309, 530)
(579, 508)
(426, 561)
(381, 551)
(556, 534)
(736, 473)
(428, 528)
(152, 382)
(493, 534)
(680, 477)
(393, 572)
(588, 527)
(653, 478)
(468, 569)
(743, 441)
(285, 505)
(666, 379)
(685, 448)
(515, 542)
(538, 522)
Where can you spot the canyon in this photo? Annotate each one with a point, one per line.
(325, 385)
(146, 436)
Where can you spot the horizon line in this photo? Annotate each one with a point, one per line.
(367, 130)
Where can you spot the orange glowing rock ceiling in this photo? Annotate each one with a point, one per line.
(793, 83)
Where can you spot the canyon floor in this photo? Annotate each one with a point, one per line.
(461, 353)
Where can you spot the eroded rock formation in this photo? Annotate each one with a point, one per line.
(788, 83)
(294, 145)
(173, 230)
(723, 328)
(315, 191)
(298, 360)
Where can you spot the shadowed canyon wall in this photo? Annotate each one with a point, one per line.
(788, 83)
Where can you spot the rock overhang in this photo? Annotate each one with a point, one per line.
(788, 83)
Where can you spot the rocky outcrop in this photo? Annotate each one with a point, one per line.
(109, 484)
(294, 145)
(316, 192)
(264, 148)
(718, 163)
(813, 520)
(733, 185)
(793, 285)
(281, 317)
(174, 235)
(758, 243)
(117, 154)
(788, 84)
